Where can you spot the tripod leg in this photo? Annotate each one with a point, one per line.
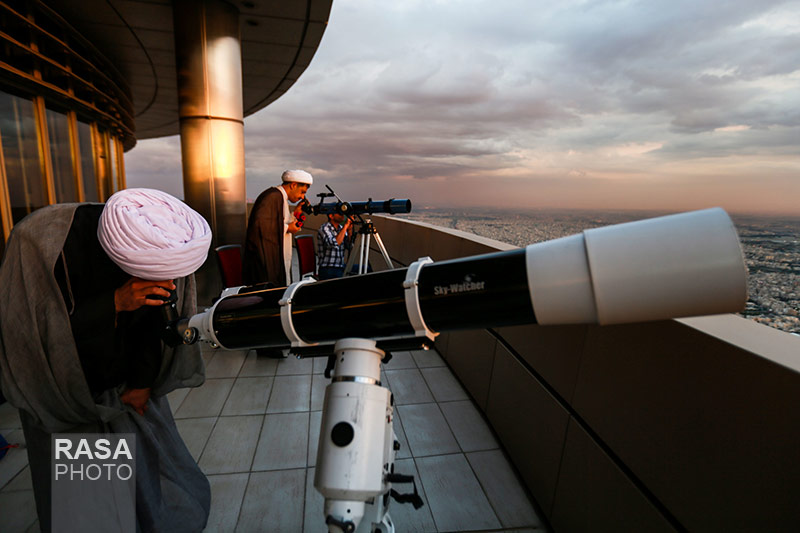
(383, 251)
(351, 258)
(363, 267)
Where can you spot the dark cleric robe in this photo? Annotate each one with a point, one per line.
(263, 249)
(64, 363)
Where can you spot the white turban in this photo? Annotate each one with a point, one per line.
(298, 176)
(152, 235)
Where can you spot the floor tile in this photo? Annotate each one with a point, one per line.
(208, 355)
(227, 492)
(315, 424)
(273, 501)
(399, 361)
(407, 519)
(408, 386)
(21, 481)
(232, 445)
(426, 430)
(9, 418)
(313, 516)
(195, 433)
(456, 499)
(290, 394)
(294, 366)
(283, 442)
(400, 434)
(505, 492)
(15, 460)
(427, 358)
(320, 363)
(444, 385)
(18, 510)
(248, 396)
(318, 385)
(226, 364)
(471, 430)
(176, 397)
(206, 400)
(258, 366)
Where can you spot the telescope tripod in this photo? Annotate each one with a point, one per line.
(365, 233)
(357, 445)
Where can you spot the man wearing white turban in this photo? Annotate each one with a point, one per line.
(81, 348)
(268, 246)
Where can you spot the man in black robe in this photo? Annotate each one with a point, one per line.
(268, 246)
(80, 352)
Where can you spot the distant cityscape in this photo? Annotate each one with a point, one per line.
(771, 247)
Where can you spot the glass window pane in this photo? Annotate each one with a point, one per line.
(113, 160)
(21, 155)
(104, 164)
(87, 162)
(61, 156)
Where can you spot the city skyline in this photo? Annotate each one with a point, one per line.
(588, 105)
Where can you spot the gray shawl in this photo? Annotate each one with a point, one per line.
(40, 373)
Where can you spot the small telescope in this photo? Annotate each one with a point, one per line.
(392, 206)
(668, 267)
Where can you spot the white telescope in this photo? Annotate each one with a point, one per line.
(668, 267)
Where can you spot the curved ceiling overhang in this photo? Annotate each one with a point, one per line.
(279, 39)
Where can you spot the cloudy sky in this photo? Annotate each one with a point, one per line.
(651, 104)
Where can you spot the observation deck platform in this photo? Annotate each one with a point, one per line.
(676, 425)
(253, 427)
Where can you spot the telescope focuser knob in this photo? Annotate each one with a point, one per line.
(190, 335)
(346, 209)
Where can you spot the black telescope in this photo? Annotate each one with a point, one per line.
(667, 267)
(391, 207)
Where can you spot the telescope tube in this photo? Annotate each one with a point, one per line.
(667, 267)
(391, 207)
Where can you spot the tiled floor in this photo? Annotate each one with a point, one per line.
(254, 425)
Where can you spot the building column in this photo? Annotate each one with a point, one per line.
(209, 65)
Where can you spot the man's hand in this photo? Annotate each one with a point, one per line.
(134, 294)
(293, 228)
(346, 229)
(136, 398)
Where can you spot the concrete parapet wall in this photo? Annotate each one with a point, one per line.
(674, 425)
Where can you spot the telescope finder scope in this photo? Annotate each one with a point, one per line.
(668, 267)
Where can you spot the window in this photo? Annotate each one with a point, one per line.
(86, 149)
(112, 158)
(61, 156)
(23, 160)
